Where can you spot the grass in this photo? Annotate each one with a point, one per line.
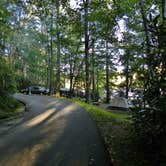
(9, 107)
(101, 115)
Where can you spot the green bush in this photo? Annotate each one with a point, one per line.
(8, 104)
(7, 75)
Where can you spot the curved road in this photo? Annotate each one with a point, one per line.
(53, 132)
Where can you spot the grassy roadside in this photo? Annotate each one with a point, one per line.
(10, 107)
(101, 115)
(114, 128)
(124, 147)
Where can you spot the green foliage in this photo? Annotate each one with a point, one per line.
(23, 83)
(149, 117)
(7, 75)
(9, 106)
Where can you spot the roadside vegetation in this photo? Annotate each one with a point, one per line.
(8, 105)
(117, 129)
(101, 115)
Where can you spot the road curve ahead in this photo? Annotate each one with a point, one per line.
(54, 132)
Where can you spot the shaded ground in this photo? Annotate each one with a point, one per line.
(9, 123)
(54, 133)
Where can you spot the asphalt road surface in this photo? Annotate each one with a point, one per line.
(53, 132)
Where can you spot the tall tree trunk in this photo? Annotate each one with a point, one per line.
(71, 75)
(58, 53)
(127, 74)
(145, 25)
(78, 74)
(97, 80)
(45, 31)
(107, 74)
(149, 57)
(74, 68)
(51, 55)
(87, 80)
(93, 70)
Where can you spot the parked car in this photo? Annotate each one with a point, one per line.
(36, 90)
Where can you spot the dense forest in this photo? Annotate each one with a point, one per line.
(92, 45)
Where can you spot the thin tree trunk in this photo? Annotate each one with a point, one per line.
(71, 75)
(93, 70)
(51, 55)
(145, 28)
(87, 80)
(73, 69)
(97, 80)
(127, 75)
(107, 74)
(149, 57)
(58, 53)
(45, 31)
(48, 62)
(78, 73)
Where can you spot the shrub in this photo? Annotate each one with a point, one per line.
(7, 75)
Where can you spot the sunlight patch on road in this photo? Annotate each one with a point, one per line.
(38, 119)
(47, 115)
(53, 103)
(25, 157)
(63, 113)
(47, 135)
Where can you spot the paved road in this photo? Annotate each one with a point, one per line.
(53, 133)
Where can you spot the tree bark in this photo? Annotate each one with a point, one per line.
(87, 80)
(51, 54)
(107, 74)
(71, 75)
(58, 54)
(93, 70)
(127, 74)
